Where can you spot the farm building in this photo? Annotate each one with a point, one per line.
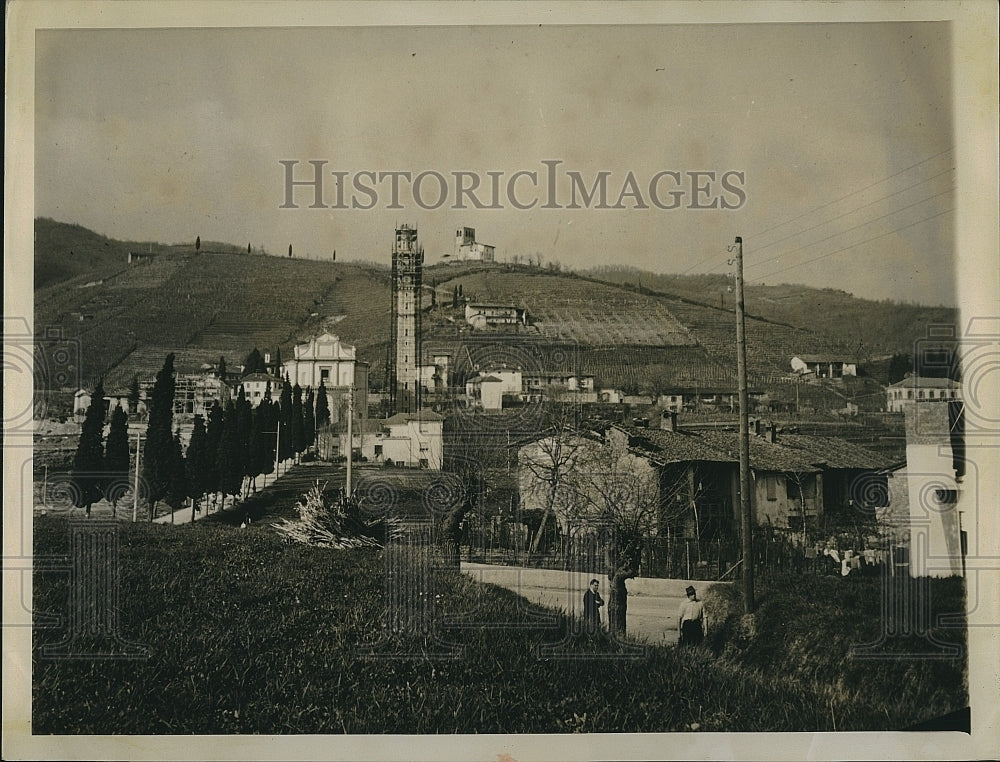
(480, 315)
(823, 366)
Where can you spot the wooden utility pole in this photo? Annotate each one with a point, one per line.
(350, 441)
(135, 490)
(746, 518)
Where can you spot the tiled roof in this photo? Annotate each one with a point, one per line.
(764, 455)
(675, 446)
(925, 382)
(422, 415)
(834, 452)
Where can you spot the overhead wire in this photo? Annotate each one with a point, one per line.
(721, 258)
(853, 245)
(859, 225)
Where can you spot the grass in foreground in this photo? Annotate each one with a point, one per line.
(248, 634)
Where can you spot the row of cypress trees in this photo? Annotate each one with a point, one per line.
(231, 449)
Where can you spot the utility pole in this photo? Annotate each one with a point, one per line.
(277, 447)
(350, 441)
(135, 489)
(746, 519)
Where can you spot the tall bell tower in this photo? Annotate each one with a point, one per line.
(404, 366)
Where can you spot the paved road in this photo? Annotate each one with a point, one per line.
(652, 603)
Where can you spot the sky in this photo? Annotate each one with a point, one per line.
(836, 142)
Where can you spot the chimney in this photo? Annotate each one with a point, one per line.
(770, 432)
(755, 427)
(669, 420)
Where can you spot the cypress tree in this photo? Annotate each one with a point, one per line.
(196, 464)
(88, 462)
(298, 433)
(228, 456)
(157, 456)
(178, 488)
(222, 368)
(257, 460)
(244, 423)
(116, 458)
(134, 395)
(309, 418)
(322, 406)
(285, 449)
(213, 437)
(254, 363)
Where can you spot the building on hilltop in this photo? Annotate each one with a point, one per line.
(920, 389)
(404, 353)
(467, 249)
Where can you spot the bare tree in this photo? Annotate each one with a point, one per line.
(614, 487)
(547, 465)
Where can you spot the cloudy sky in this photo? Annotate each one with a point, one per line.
(839, 137)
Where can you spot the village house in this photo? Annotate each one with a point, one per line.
(413, 440)
(920, 389)
(928, 507)
(255, 386)
(823, 366)
(794, 477)
(487, 388)
(536, 384)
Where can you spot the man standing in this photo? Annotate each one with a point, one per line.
(691, 620)
(592, 602)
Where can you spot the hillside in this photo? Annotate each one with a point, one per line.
(202, 306)
(873, 329)
(625, 335)
(122, 319)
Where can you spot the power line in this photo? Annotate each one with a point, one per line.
(852, 193)
(856, 209)
(824, 206)
(861, 224)
(852, 246)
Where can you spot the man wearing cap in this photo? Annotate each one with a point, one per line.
(691, 620)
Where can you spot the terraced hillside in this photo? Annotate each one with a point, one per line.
(886, 327)
(700, 337)
(203, 306)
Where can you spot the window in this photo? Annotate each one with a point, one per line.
(378, 450)
(324, 374)
(771, 483)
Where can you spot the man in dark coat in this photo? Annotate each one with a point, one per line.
(592, 602)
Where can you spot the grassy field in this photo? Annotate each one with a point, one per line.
(248, 634)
